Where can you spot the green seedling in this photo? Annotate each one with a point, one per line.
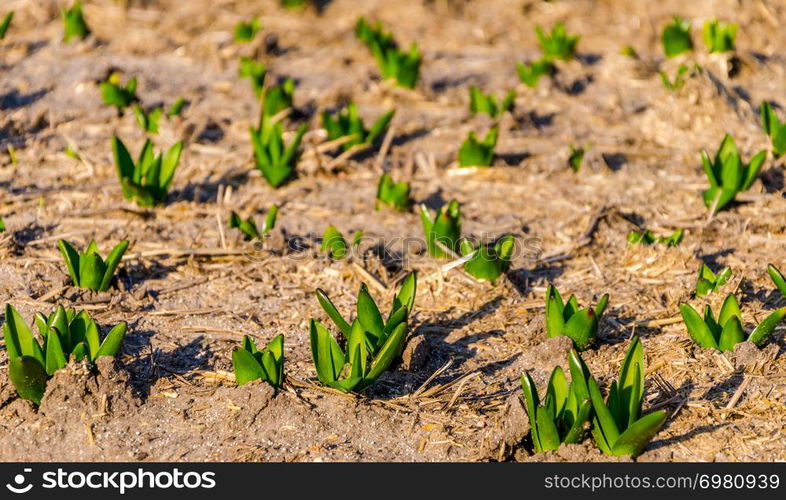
(250, 363)
(274, 158)
(478, 153)
(255, 72)
(392, 194)
(679, 78)
(576, 157)
(66, 336)
(177, 108)
(148, 180)
(719, 36)
(777, 278)
(708, 282)
(87, 269)
(774, 128)
(558, 44)
(2, 225)
(372, 343)
(726, 332)
(334, 244)
(147, 121)
(394, 63)
(648, 238)
(565, 411)
(488, 103)
(530, 73)
(246, 31)
(487, 262)
(249, 228)
(277, 98)
(74, 24)
(676, 37)
(565, 318)
(114, 94)
(5, 23)
(347, 122)
(618, 427)
(443, 231)
(728, 175)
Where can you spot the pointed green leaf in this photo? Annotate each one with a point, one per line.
(697, 328)
(760, 334)
(246, 367)
(633, 441)
(111, 344)
(29, 377)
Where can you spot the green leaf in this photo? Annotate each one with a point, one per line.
(388, 353)
(406, 294)
(328, 357)
(71, 258)
(532, 402)
(333, 243)
(112, 261)
(676, 37)
(332, 312)
(601, 305)
(730, 308)
(6, 22)
(731, 335)
(29, 377)
(582, 328)
(753, 169)
(635, 438)
(91, 271)
(576, 431)
(760, 334)
(168, 166)
(19, 340)
(631, 381)
(547, 431)
(777, 278)
(557, 392)
(55, 358)
(111, 344)
(606, 427)
(368, 313)
(246, 367)
(697, 328)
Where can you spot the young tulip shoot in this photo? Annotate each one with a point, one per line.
(250, 363)
(275, 159)
(487, 262)
(255, 72)
(777, 278)
(679, 78)
(727, 174)
(478, 153)
(117, 95)
(148, 120)
(334, 244)
(676, 37)
(87, 269)
(277, 98)
(774, 128)
(66, 335)
(249, 228)
(566, 409)
(74, 24)
(726, 331)
(488, 103)
(394, 63)
(576, 157)
(392, 194)
(557, 44)
(708, 282)
(347, 122)
(530, 73)
(648, 238)
(372, 343)
(565, 318)
(443, 231)
(5, 23)
(618, 427)
(148, 180)
(719, 36)
(246, 31)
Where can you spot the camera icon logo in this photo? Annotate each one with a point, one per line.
(19, 483)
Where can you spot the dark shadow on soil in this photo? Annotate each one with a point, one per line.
(207, 190)
(615, 161)
(15, 100)
(521, 279)
(513, 159)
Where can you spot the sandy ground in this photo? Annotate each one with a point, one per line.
(190, 288)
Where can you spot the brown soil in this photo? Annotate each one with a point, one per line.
(190, 288)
